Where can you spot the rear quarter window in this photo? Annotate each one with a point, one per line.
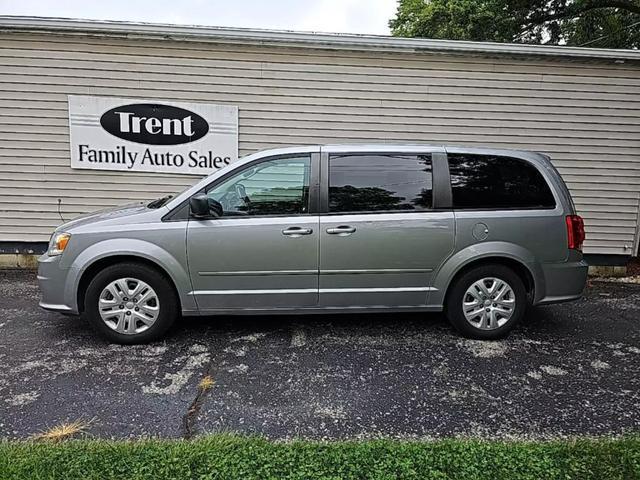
(495, 182)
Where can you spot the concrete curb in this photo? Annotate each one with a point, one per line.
(19, 260)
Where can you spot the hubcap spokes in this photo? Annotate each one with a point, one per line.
(488, 303)
(128, 306)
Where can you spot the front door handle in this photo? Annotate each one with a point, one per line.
(342, 230)
(297, 231)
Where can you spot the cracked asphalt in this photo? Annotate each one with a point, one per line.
(570, 369)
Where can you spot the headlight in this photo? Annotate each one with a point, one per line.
(58, 243)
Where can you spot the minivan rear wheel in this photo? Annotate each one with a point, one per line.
(131, 303)
(486, 302)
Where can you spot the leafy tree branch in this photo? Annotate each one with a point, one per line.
(601, 23)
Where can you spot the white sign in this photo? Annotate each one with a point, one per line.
(151, 136)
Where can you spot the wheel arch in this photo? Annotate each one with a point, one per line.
(104, 254)
(520, 260)
(518, 267)
(100, 264)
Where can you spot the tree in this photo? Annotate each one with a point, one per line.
(593, 23)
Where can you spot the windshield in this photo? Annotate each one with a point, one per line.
(162, 201)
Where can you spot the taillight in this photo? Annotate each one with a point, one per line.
(575, 232)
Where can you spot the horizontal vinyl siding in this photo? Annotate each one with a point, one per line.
(586, 116)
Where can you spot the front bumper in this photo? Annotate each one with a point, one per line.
(564, 282)
(52, 280)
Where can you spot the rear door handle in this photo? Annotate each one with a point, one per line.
(341, 230)
(297, 231)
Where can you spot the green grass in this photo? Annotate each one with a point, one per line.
(245, 458)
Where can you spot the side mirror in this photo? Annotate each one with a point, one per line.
(202, 206)
(215, 208)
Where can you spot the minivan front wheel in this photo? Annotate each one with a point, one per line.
(486, 302)
(130, 303)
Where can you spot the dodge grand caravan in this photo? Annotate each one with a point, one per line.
(479, 234)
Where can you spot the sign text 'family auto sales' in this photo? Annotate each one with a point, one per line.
(149, 136)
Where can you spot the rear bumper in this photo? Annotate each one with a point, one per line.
(563, 282)
(52, 280)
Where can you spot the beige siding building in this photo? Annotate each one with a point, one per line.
(580, 106)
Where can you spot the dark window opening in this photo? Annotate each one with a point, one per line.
(380, 182)
(493, 182)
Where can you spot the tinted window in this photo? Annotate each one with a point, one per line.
(484, 181)
(364, 183)
(273, 187)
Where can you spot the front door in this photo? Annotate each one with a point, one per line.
(262, 252)
(380, 236)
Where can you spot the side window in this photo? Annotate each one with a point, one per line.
(380, 182)
(273, 187)
(492, 182)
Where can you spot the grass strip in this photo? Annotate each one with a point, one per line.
(246, 458)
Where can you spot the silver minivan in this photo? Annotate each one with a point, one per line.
(477, 233)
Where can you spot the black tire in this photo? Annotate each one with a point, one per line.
(457, 291)
(168, 302)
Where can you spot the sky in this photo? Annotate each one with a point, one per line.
(340, 16)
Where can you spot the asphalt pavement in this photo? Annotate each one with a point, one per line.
(567, 370)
